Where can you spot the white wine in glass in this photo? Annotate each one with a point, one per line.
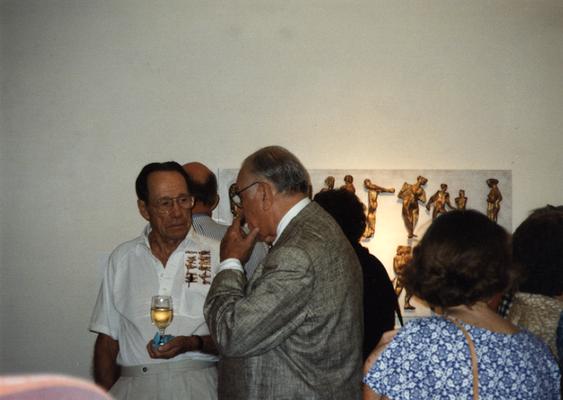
(162, 313)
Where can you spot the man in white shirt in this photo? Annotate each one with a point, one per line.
(203, 187)
(171, 259)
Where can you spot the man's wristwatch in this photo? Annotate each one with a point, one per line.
(199, 340)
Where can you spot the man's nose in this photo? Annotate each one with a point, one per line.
(176, 210)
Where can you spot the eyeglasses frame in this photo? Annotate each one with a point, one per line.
(238, 192)
(164, 211)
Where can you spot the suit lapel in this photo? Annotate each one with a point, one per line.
(309, 210)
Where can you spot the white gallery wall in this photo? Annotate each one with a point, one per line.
(91, 90)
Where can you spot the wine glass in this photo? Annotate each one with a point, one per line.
(162, 314)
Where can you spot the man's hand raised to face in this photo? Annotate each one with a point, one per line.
(236, 243)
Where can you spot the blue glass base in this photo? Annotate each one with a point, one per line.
(161, 340)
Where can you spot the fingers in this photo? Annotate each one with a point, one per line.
(236, 224)
(251, 237)
(166, 351)
(234, 232)
(237, 244)
(151, 350)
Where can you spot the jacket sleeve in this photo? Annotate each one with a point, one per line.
(245, 323)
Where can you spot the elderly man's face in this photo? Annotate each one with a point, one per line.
(252, 204)
(169, 223)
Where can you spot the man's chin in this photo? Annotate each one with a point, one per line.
(178, 232)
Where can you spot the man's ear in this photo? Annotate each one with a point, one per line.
(216, 202)
(267, 197)
(141, 205)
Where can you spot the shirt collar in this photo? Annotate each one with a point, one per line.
(292, 213)
(192, 235)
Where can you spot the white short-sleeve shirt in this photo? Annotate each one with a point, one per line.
(134, 275)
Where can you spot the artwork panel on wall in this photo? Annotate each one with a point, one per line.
(390, 196)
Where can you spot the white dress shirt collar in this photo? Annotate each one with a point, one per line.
(191, 235)
(292, 213)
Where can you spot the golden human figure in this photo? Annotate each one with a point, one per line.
(440, 200)
(235, 210)
(373, 193)
(401, 259)
(461, 200)
(493, 199)
(411, 194)
(349, 184)
(329, 184)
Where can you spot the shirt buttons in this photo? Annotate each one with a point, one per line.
(144, 369)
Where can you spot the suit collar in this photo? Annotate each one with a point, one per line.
(286, 219)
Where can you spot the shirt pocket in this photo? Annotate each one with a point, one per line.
(192, 300)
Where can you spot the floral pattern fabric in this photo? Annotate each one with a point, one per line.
(430, 359)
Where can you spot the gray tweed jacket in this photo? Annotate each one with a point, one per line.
(294, 330)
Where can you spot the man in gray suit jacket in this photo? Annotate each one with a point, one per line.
(294, 329)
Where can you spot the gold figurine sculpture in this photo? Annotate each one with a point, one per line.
(401, 259)
(461, 200)
(329, 184)
(235, 210)
(411, 194)
(493, 199)
(349, 184)
(373, 193)
(440, 200)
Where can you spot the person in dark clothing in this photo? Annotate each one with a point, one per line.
(380, 301)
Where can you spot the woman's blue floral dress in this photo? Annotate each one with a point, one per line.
(430, 359)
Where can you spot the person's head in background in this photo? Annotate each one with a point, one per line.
(537, 245)
(345, 207)
(203, 187)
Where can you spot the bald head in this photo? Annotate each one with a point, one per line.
(197, 171)
(203, 186)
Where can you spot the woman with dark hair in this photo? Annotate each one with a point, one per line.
(467, 350)
(380, 301)
(537, 246)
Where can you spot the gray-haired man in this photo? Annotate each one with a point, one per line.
(294, 330)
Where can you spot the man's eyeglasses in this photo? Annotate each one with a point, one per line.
(235, 195)
(164, 205)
